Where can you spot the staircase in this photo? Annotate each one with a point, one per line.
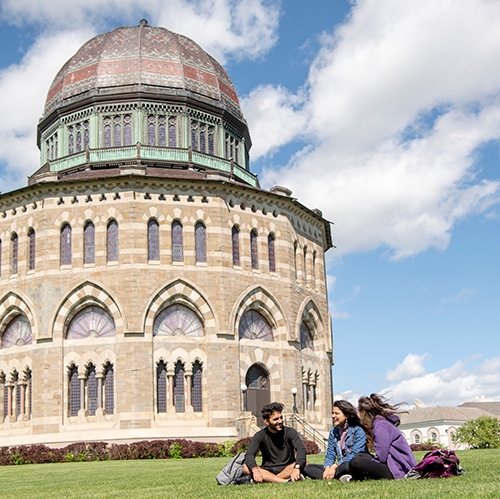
(308, 431)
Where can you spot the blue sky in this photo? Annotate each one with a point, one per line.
(385, 114)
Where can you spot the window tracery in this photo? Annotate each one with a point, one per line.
(31, 249)
(200, 242)
(271, 252)
(177, 320)
(306, 337)
(202, 137)
(17, 333)
(14, 241)
(117, 130)
(254, 326)
(254, 251)
(177, 244)
(91, 322)
(66, 249)
(153, 240)
(89, 243)
(78, 136)
(235, 237)
(112, 241)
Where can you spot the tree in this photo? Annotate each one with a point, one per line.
(480, 433)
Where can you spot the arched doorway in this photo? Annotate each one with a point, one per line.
(258, 392)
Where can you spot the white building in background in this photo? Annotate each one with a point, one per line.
(438, 424)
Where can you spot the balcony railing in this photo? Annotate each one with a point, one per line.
(152, 153)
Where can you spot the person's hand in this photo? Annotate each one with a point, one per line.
(329, 472)
(257, 475)
(295, 475)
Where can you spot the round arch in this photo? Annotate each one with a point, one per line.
(85, 295)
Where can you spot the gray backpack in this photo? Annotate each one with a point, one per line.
(232, 473)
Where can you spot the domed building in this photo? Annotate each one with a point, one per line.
(149, 287)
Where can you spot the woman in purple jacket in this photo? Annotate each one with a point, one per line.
(393, 458)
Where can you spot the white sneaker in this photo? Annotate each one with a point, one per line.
(345, 478)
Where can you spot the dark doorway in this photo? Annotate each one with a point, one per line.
(258, 392)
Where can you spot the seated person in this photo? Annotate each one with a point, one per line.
(347, 438)
(278, 445)
(393, 458)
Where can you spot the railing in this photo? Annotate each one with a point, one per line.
(152, 153)
(302, 426)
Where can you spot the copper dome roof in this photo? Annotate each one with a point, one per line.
(152, 58)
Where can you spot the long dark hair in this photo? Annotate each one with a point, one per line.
(349, 411)
(378, 405)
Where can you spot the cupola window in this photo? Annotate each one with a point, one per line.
(117, 130)
(78, 137)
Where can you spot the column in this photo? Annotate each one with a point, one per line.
(189, 376)
(82, 392)
(170, 390)
(22, 409)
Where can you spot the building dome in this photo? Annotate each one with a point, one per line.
(151, 59)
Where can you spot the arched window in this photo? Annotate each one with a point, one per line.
(74, 391)
(162, 134)
(17, 333)
(179, 387)
(196, 393)
(177, 249)
(112, 237)
(89, 243)
(235, 235)
(172, 134)
(305, 265)
(153, 240)
(177, 320)
(91, 322)
(118, 131)
(194, 135)
(109, 389)
(254, 251)
(271, 253)
(306, 338)
(295, 259)
(161, 386)
(211, 130)
(200, 242)
(91, 390)
(31, 249)
(314, 269)
(417, 438)
(254, 326)
(14, 241)
(66, 249)
(434, 436)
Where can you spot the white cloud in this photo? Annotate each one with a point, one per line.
(412, 366)
(464, 295)
(224, 28)
(23, 88)
(396, 103)
(464, 380)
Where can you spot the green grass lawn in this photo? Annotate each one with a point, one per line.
(195, 478)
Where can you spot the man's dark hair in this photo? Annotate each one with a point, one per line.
(268, 409)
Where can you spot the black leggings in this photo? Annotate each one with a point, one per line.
(315, 471)
(362, 467)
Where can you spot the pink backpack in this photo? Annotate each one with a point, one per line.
(435, 464)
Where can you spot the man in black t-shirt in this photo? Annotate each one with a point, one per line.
(283, 453)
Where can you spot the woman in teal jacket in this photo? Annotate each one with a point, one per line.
(346, 439)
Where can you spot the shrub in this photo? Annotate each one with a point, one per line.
(480, 433)
(311, 447)
(240, 446)
(423, 447)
